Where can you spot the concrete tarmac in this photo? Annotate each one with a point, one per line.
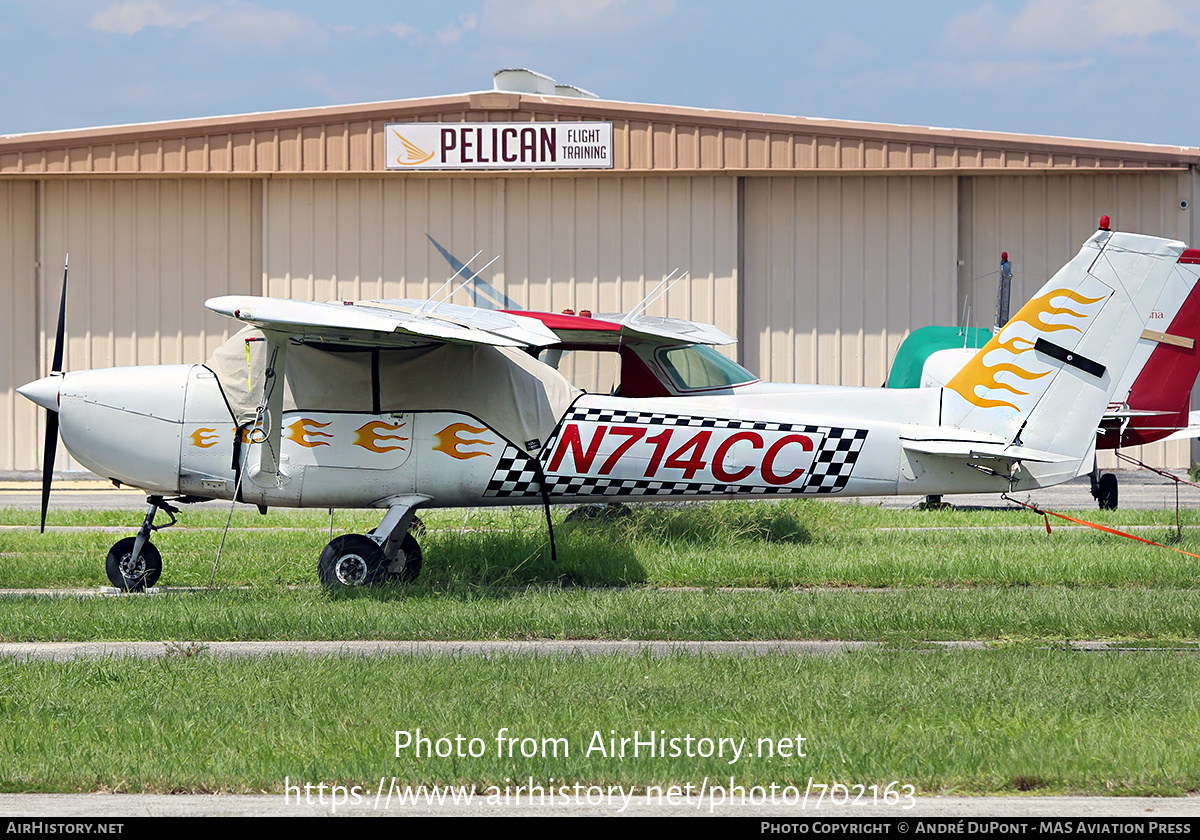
(320, 803)
(1139, 490)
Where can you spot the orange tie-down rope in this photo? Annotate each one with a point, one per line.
(1046, 514)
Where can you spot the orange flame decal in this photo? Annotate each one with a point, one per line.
(299, 433)
(201, 438)
(977, 374)
(448, 441)
(371, 436)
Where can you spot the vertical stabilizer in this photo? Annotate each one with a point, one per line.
(1044, 381)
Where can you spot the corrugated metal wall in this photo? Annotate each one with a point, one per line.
(1041, 221)
(19, 448)
(145, 255)
(564, 242)
(838, 270)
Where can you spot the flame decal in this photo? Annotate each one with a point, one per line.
(371, 437)
(202, 439)
(448, 441)
(978, 377)
(299, 432)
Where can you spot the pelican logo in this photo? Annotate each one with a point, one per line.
(204, 438)
(372, 436)
(1006, 352)
(448, 441)
(299, 432)
(413, 154)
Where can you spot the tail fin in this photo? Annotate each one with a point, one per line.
(1044, 381)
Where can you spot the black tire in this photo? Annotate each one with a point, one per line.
(1107, 495)
(351, 560)
(407, 565)
(133, 577)
(610, 512)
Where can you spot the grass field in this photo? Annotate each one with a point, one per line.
(1027, 715)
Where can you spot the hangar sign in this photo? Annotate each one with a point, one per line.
(524, 145)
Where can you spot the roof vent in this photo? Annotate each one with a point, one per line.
(521, 80)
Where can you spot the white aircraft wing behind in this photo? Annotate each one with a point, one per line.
(671, 329)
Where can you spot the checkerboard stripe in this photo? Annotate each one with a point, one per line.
(517, 475)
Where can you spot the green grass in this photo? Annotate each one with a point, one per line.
(1026, 715)
(795, 543)
(639, 613)
(965, 722)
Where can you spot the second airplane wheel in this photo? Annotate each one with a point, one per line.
(407, 565)
(351, 560)
(1107, 496)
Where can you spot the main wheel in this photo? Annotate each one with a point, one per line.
(407, 565)
(1107, 495)
(351, 560)
(127, 575)
(610, 512)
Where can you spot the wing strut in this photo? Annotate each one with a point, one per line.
(268, 464)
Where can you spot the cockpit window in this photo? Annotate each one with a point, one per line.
(697, 367)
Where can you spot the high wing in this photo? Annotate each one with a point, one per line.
(671, 329)
(615, 328)
(384, 323)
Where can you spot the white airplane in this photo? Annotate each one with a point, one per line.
(401, 405)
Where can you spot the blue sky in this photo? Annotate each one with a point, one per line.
(1105, 69)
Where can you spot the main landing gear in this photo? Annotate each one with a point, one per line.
(1104, 489)
(134, 564)
(389, 553)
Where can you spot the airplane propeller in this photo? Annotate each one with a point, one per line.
(51, 449)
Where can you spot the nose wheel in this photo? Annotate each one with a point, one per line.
(129, 573)
(134, 564)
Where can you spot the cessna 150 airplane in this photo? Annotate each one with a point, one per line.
(399, 405)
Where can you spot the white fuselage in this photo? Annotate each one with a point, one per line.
(168, 430)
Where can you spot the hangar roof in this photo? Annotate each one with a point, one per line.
(659, 139)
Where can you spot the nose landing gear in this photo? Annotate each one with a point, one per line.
(134, 564)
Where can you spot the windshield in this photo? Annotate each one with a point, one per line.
(697, 367)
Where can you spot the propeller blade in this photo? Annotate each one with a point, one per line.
(62, 322)
(48, 461)
(52, 416)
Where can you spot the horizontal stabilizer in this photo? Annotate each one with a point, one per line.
(1192, 430)
(977, 449)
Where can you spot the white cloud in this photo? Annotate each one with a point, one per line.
(248, 24)
(453, 33)
(535, 20)
(1073, 25)
(235, 24)
(402, 30)
(132, 17)
(840, 49)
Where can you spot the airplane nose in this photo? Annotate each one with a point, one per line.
(43, 391)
